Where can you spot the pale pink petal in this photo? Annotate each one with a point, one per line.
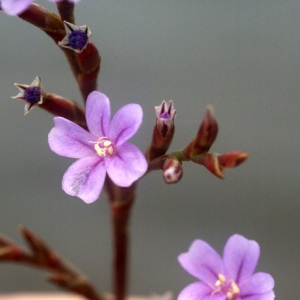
(240, 257)
(98, 114)
(125, 123)
(257, 287)
(128, 165)
(70, 140)
(15, 7)
(199, 291)
(85, 179)
(202, 261)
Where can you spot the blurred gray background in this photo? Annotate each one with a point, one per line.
(243, 57)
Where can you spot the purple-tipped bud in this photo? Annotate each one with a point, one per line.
(165, 115)
(172, 170)
(77, 37)
(163, 130)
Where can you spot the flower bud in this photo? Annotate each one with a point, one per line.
(165, 115)
(163, 130)
(172, 170)
(206, 135)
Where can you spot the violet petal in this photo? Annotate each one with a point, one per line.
(85, 179)
(98, 114)
(70, 140)
(199, 291)
(125, 123)
(257, 287)
(15, 7)
(202, 261)
(240, 257)
(128, 165)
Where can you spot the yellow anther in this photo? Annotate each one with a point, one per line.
(104, 147)
(107, 143)
(222, 278)
(226, 287)
(235, 288)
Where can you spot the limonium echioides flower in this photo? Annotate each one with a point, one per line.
(104, 149)
(77, 37)
(32, 94)
(230, 278)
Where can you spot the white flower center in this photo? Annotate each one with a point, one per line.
(226, 287)
(104, 147)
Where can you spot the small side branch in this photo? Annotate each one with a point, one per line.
(42, 257)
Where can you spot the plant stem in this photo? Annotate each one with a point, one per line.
(121, 200)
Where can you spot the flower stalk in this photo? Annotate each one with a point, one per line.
(121, 202)
(42, 257)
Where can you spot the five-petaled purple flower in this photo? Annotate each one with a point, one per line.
(102, 150)
(230, 278)
(15, 7)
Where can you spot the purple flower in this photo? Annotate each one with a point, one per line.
(230, 278)
(77, 37)
(15, 7)
(101, 150)
(33, 94)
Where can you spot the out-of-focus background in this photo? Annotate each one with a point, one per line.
(242, 57)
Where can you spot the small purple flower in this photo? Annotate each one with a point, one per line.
(101, 150)
(77, 37)
(33, 94)
(230, 278)
(15, 7)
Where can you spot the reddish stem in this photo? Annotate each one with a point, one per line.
(121, 201)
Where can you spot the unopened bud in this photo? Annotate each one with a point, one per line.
(163, 130)
(232, 159)
(172, 170)
(206, 135)
(165, 115)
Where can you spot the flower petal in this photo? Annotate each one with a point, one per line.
(202, 261)
(15, 7)
(128, 165)
(70, 140)
(85, 179)
(199, 291)
(240, 257)
(98, 114)
(257, 287)
(125, 123)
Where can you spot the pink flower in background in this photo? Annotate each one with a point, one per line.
(230, 278)
(15, 7)
(101, 150)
